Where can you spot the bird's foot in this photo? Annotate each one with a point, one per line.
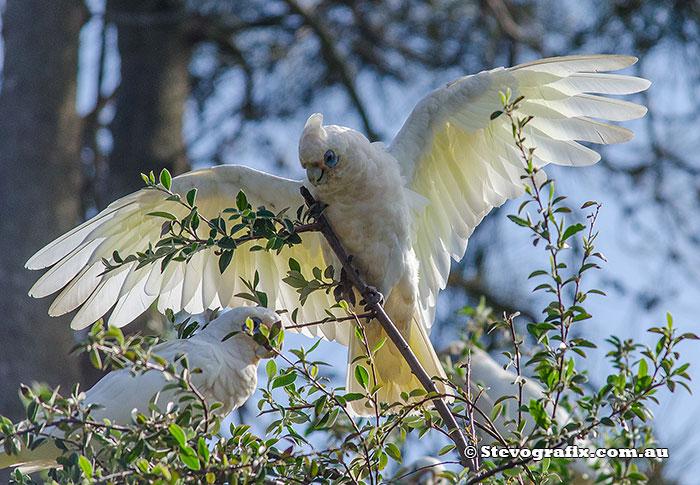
(374, 297)
(316, 209)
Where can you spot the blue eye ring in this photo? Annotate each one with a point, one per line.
(330, 158)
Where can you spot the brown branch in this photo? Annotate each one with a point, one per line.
(368, 293)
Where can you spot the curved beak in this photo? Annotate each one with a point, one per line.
(314, 173)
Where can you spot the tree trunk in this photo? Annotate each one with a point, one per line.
(39, 176)
(150, 100)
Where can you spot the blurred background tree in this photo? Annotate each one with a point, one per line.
(179, 84)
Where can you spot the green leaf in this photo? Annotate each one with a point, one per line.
(284, 380)
(165, 178)
(225, 260)
(191, 462)
(393, 451)
(379, 345)
(163, 214)
(32, 410)
(227, 242)
(519, 221)
(642, 368)
(446, 449)
(362, 376)
(294, 265)
(241, 201)
(571, 230)
(202, 449)
(539, 414)
(178, 434)
(191, 196)
(271, 369)
(86, 466)
(96, 359)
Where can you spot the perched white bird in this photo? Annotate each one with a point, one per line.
(402, 211)
(228, 376)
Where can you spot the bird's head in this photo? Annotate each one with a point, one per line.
(258, 324)
(331, 155)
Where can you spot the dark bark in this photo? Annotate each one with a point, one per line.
(39, 176)
(147, 129)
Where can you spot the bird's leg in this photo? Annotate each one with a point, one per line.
(345, 290)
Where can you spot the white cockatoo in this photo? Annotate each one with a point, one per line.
(229, 375)
(402, 211)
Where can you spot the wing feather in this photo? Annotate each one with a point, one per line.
(75, 259)
(453, 154)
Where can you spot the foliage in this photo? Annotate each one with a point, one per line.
(303, 408)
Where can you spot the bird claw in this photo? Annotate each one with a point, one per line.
(316, 209)
(374, 297)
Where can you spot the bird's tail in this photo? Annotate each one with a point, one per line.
(391, 370)
(30, 461)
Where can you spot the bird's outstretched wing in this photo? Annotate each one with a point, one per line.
(464, 163)
(75, 259)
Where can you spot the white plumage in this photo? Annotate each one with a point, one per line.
(228, 376)
(403, 212)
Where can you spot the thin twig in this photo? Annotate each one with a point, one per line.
(329, 320)
(470, 413)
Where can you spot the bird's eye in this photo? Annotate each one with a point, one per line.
(330, 158)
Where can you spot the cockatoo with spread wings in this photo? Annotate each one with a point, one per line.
(402, 211)
(229, 375)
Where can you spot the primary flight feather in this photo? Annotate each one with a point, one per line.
(402, 211)
(229, 375)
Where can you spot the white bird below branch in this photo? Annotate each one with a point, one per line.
(228, 376)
